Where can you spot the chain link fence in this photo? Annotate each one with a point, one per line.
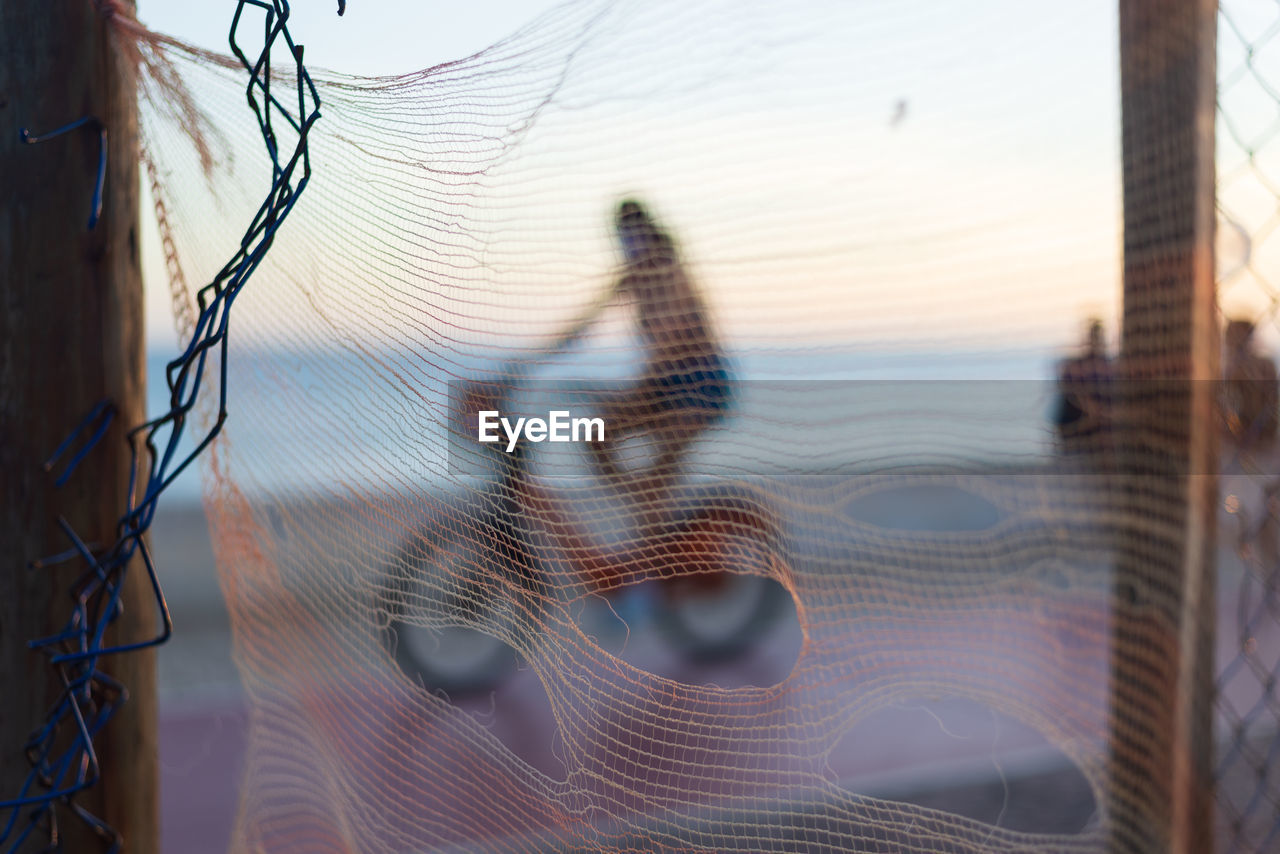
(1248, 697)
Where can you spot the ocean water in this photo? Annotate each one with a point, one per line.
(300, 422)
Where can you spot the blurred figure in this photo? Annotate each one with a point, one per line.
(684, 385)
(1250, 392)
(1083, 418)
(1250, 400)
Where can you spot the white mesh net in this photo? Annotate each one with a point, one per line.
(845, 590)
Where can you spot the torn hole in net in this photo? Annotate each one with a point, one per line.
(943, 508)
(448, 623)
(966, 758)
(699, 593)
(483, 676)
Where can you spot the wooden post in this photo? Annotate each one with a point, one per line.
(1161, 797)
(71, 334)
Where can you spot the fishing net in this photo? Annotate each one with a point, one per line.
(868, 607)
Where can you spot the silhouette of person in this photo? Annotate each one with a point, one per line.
(684, 385)
(1250, 389)
(1084, 414)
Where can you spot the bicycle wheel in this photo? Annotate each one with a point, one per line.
(720, 616)
(447, 614)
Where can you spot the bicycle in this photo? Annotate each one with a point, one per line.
(470, 585)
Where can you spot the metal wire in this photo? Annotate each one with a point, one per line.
(61, 752)
(1248, 702)
(95, 124)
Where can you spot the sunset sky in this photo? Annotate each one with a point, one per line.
(957, 167)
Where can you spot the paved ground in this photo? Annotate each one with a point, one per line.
(955, 755)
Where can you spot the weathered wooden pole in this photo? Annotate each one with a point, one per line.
(1161, 798)
(71, 334)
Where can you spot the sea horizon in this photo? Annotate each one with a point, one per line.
(794, 411)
